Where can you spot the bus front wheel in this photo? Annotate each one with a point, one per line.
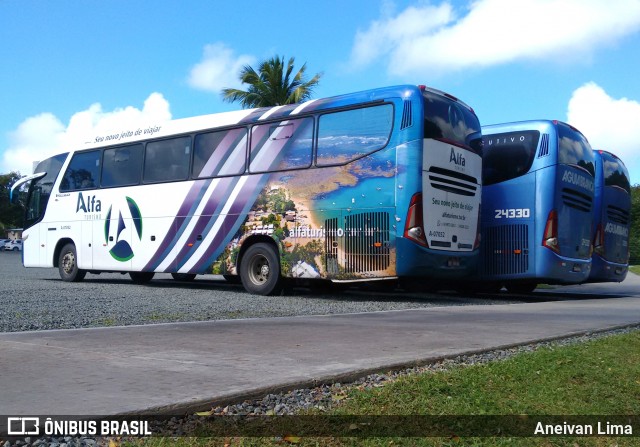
(260, 270)
(68, 264)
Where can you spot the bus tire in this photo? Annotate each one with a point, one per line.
(141, 277)
(526, 287)
(183, 276)
(260, 270)
(68, 264)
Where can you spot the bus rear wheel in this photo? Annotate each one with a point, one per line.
(141, 277)
(68, 264)
(183, 276)
(260, 270)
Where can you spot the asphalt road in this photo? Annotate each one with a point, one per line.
(184, 366)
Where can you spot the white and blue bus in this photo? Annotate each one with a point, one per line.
(538, 205)
(380, 184)
(610, 260)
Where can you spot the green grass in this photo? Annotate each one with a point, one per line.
(584, 379)
(600, 377)
(107, 321)
(635, 269)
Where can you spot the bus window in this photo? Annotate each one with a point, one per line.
(219, 153)
(281, 146)
(167, 160)
(573, 149)
(83, 172)
(345, 136)
(508, 155)
(121, 166)
(615, 174)
(446, 120)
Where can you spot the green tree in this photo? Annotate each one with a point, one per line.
(10, 214)
(272, 85)
(634, 232)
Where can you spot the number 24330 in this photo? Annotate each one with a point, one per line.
(513, 213)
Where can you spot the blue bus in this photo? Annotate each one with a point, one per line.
(379, 184)
(537, 207)
(610, 260)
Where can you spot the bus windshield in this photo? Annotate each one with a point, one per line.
(615, 173)
(508, 155)
(448, 120)
(574, 149)
(40, 189)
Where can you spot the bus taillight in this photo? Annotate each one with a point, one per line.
(414, 228)
(598, 241)
(550, 238)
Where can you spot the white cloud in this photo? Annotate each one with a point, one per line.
(434, 40)
(44, 135)
(218, 69)
(608, 123)
(384, 35)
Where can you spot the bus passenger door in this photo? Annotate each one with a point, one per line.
(49, 236)
(31, 250)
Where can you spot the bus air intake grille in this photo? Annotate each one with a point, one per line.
(366, 242)
(331, 245)
(505, 250)
(544, 145)
(452, 181)
(407, 116)
(618, 215)
(576, 200)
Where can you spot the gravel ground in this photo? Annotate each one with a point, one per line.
(37, 299)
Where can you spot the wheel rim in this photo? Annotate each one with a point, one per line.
(68, 262)
(259, 269)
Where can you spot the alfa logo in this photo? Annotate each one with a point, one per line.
(457, 158)
(122, 250)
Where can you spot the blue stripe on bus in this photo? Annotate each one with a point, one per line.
(188, 207)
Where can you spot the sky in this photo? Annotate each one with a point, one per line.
(74, 68)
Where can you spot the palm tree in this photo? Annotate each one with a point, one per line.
(272, 85)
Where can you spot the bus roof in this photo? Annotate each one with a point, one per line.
(538, 124)
(126, 135)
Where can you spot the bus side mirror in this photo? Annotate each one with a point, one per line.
(14, 197)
